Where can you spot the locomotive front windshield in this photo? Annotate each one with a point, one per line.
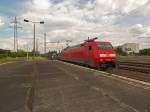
(104, 46)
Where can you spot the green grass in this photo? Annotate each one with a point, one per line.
(10, 59)
(134, 58)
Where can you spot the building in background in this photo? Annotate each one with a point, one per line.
(130, 48)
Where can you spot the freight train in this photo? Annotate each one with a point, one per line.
(92, 53)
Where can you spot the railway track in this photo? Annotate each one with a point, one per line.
(135, 66)
(135, 70)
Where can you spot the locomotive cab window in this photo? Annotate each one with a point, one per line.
(104, 46)
(90, 47)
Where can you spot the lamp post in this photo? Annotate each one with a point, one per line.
(41, 22)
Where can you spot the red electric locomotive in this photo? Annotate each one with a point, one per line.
(91, 53)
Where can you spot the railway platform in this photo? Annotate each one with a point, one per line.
(56, 86)
(64, 87)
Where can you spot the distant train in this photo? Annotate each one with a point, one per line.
(52, 55)
(100, 55)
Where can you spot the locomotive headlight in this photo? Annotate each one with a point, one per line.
(102, 55)
(112, 55)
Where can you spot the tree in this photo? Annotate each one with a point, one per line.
(12, 54)
(120, 51)
(4, 53)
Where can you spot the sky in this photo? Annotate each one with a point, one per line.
(116, 21)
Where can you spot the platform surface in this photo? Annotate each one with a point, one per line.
(65, 88)
(62, 87)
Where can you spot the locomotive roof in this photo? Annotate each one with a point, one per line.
(102, 42)
(80, 45)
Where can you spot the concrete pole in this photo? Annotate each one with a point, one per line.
(34, 41)
(44, 43)
(27, 52)
(14, 37)
(37, 47)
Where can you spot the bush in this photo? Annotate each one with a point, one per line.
(21, 53)
(2, 55)
(12, 54)
(145, 52)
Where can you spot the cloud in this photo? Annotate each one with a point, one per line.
(137, 29)
(117, 21)
(142, 11)
(6, 43)
(140, 31)
(1, 21)
(38, 5)
(70, 19)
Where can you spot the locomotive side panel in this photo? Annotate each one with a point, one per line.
(90, 53)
